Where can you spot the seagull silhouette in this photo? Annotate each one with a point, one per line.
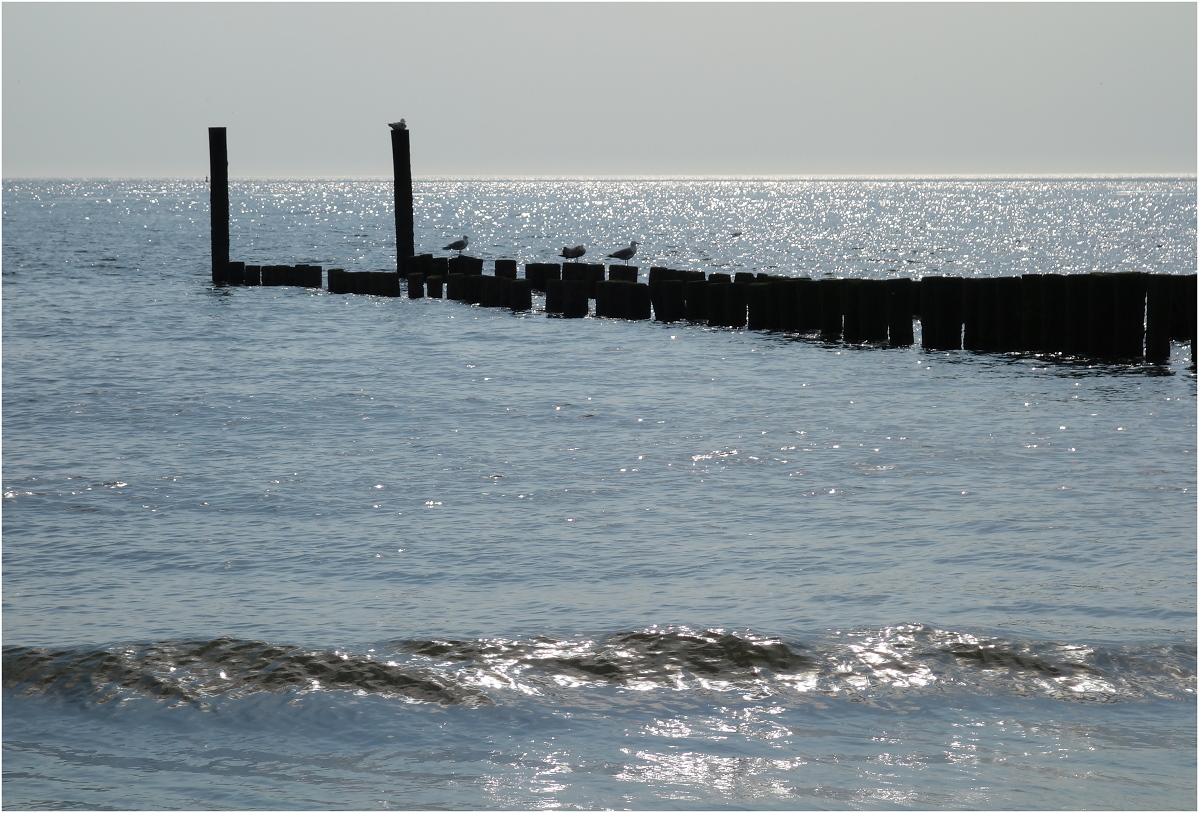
(399, 125)
(625, 254)
(457, 245)
(573, 253)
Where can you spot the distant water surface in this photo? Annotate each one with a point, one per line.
(274, 548)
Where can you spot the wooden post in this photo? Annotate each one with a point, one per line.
(535, 275)
(553, 295)
(603, 298)
(972, 314)
(594, 273)
(309, 276)
(623, 273)
(735, 308)
(1077, 321)
(669, 300)
(657, 274)
(930, 326)
(987, 335)
(401, 160)
(899, 311)
(1007, 313)
(1054, 298)
(474, 289)
(218, 197)
(718, 286)
(539, 274)
(615, 297)
(695, 302)
(416, 285)
(1030, 313)
(336, 281)
(872, 310)
(1183, 318)
(463, 264)
(759, 299)
(520, 294)
(784, 308)
(830, 309)
(490, 295)
(1128, 322)
(851, 310)
(418, 264)
(949, 331)
(639, 304)
(1101, 313)
(807, 292)
(1158, 309)
(575, 304)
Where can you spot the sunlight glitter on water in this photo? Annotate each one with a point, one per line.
(609, 560)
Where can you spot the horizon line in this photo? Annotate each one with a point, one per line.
(646, 177)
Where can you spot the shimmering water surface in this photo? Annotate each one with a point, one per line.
(274, 548)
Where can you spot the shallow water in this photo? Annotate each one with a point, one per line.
(278, 548)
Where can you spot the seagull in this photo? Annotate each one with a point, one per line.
(573, 253)
(625, 254)
(399, 125)
(457, 245)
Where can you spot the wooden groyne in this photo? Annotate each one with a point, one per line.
(1115, 316)
(1121, 316)
(1129, 316)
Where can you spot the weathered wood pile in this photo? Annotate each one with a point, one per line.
(1129, 316)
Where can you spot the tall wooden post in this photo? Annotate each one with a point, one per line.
(401, 159)
(218, 191)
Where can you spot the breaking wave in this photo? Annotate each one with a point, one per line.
(865, 666)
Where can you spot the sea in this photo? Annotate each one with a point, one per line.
(268, 548)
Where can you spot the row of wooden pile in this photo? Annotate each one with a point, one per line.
(1101, 315)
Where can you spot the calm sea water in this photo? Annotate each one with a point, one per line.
(274, 548)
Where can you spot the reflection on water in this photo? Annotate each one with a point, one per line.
(871, 667)
(270, 547)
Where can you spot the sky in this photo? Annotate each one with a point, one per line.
(599, 89)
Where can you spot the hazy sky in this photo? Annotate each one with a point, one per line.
(307, 89)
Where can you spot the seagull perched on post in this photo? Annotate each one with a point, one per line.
(398, 125)
(573, 253)
(457, 245)
(625, 254)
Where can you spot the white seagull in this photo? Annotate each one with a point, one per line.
(398, 125)
(625, 254)
(573, 253)
(457, 245)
